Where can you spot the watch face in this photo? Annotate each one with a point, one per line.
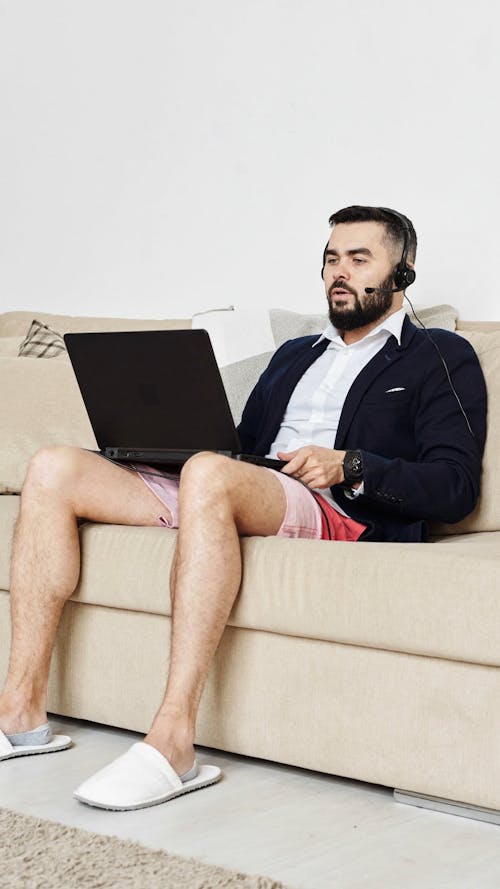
(353, 467)
(356, 464)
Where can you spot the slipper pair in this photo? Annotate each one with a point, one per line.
(139, 778)
(39, 740)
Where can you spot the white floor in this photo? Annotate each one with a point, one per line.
(310, 831)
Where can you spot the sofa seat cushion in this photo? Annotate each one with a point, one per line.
(436, 599)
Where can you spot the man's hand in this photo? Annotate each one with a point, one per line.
(316, 467)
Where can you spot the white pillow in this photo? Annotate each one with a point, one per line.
(236, 333)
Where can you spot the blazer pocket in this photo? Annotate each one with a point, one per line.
(388, 400)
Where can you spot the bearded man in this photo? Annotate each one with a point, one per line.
(381, 426)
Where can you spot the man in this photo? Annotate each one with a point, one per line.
(382, 429)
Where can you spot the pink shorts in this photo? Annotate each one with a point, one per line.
(307, 515)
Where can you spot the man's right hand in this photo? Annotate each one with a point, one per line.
(315, 466)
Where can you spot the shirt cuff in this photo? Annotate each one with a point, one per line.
(353, 493)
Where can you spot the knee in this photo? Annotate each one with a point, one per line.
(206, 475)
(51, 468)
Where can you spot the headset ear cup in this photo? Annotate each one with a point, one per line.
(399, 276)
(403, 277)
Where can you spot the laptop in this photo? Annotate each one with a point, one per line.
(155, 396)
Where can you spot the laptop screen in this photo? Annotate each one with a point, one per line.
(153, 389)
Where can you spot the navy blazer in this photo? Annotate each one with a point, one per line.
(421, 463)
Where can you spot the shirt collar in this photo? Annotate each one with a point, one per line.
(393, 324)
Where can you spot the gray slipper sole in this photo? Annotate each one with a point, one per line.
(58, 742)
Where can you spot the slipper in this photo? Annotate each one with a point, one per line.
(42, 741)
(139, 778)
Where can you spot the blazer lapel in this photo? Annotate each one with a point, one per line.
(389, 354)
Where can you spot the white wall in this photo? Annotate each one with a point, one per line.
(160, 157)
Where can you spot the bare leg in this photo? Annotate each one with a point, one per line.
(62, 484)
(219, 499)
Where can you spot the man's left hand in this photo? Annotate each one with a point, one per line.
(316, 467)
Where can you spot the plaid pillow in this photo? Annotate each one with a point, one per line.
(41, 342)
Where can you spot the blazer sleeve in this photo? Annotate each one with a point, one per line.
(442, 483)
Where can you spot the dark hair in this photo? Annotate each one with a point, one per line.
(394, 228)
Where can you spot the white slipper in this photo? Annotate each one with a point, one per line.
(9, 751)
(139, 778)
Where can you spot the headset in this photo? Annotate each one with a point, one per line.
(403, 274)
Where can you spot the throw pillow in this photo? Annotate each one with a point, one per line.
(240, 378)
(41, 342)
(287, 325)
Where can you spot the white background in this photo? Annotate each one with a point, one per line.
(162, 157)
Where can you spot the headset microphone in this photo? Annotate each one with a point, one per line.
(381, 290)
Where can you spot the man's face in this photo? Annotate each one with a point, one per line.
(358, 256)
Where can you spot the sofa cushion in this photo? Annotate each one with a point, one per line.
(40, 405)
(9, 346)
(486, 326)
(17, 323)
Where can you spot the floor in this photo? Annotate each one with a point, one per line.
(310, 831)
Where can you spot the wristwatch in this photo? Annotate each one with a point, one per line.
(352, 465)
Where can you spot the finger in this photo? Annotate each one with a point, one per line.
(295, 466)
(311, 480)
(315, 478)
(288, 469)
(286, 455)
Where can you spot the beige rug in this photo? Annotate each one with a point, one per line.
(37, 854)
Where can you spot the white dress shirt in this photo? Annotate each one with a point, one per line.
(313, 412)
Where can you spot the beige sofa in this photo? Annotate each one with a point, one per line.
(378, 662)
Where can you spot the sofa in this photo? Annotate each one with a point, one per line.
(378, 661)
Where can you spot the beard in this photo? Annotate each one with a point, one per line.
(375, 306)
